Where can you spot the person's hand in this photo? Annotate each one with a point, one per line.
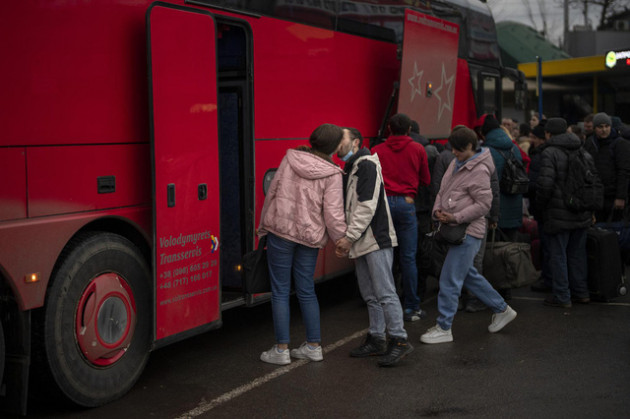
(445, 217)
(619, 204)
(494, 225)
(594, 218)
(343, 247)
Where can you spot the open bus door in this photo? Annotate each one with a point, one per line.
(428, 72)
(185, 156)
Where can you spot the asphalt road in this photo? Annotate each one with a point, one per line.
(549, 362)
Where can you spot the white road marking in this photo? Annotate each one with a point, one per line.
(592, 302)
(226, 397)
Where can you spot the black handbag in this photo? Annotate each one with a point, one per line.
(255, 270)
(453, 234)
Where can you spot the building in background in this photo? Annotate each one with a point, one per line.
(577, 81)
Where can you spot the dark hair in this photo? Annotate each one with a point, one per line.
(354, 134)
(461, 136)
(578, 131)
(326, 138)
(524, 130)
(489, 123)
(399, 124)
(415, 127)
(539, 131)
(589, 117)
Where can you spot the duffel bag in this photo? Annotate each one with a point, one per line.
(508, 264)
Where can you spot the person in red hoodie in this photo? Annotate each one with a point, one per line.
(405, 167)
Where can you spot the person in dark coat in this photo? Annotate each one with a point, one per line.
(537, 137)
(612, 159)
(565, 229)
(499, 143)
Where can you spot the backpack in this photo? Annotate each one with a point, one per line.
(514, 179)
(583, 191)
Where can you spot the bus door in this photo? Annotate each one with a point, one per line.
(185, 162)
(236, 153)
(428, 72)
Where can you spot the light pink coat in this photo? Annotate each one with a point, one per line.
(467, 194)
(304, 203)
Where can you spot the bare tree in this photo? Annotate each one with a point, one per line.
(608, 8)
(543, 16)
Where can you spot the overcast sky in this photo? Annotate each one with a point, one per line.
(553, 10)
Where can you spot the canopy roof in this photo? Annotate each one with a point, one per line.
(522, 44)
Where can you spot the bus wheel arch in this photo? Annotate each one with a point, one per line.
(99, 297)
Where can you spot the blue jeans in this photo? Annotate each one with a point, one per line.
(286, 258)
(458, 271)
(376, 283)
(406, 226)
(567, 251)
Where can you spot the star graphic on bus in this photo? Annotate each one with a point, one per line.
(416, 87)
(446, 103)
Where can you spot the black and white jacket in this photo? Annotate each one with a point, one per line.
(370, 225)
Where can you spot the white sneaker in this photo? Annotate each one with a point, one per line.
(305, 352)
(437, 335)
(500, 320)
(276, 356)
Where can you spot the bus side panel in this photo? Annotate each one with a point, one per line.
(33, 246)
(464, 111)
(83, 178)
(77, 72)
(13, 191)
(306, 76)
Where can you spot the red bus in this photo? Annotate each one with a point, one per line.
(137, 142)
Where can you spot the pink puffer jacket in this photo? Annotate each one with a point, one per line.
(304, 203)
(467, 194)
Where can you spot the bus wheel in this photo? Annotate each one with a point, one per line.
(98, 319)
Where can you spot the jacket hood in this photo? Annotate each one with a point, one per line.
(398, 142)
(567, 141)
(497, 138)
(485, 158)
(309, 166)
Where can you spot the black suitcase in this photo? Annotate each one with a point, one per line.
(605, 269)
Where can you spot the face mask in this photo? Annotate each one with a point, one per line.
(347, 156)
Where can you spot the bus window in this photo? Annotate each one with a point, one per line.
(489, 96)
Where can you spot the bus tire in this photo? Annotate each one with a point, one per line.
(98, 319)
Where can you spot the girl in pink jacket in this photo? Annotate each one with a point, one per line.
(303, 207)
(465, 196)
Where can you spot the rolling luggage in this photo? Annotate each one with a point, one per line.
(605, 275)
(530, 227)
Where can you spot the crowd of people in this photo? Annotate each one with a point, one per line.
(407, 189)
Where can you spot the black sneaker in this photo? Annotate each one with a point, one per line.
(397, 349)
(371, 347)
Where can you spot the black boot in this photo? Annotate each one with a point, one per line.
(372, 346)
(397, 349)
